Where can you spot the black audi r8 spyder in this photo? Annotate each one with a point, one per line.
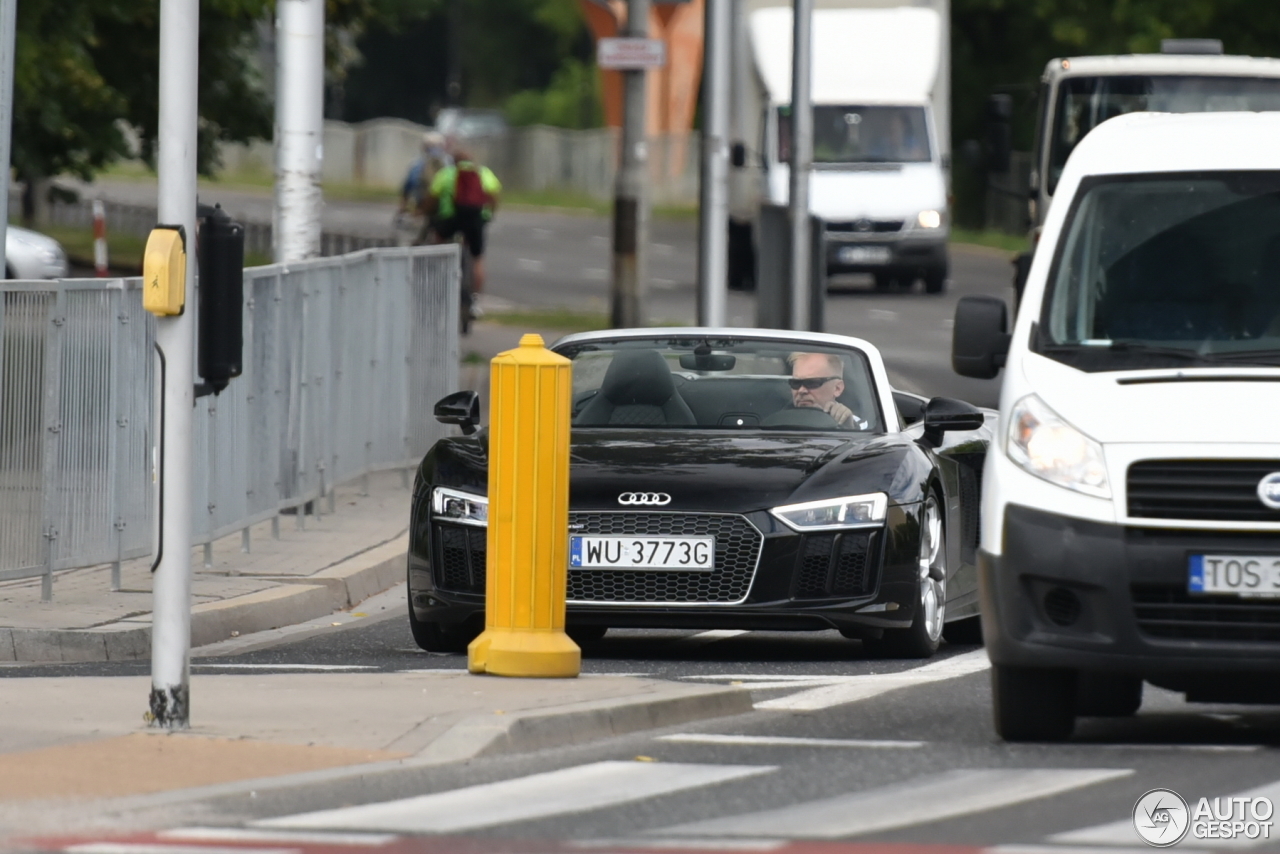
(716, 482)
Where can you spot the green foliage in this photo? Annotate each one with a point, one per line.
(572, 100)
(88, 70)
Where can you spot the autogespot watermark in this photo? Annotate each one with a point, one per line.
(1163, 818)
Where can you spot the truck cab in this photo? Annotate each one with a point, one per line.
(1079, 93)
(879, 180)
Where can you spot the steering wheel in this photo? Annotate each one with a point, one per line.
(801, 418)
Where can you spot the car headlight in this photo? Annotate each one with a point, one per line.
(1041, 442)
(461, 507)
(929, 219)
(50, 255)
(851, 511)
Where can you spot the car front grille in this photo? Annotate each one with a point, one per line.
(835, 565)
(1168, 612)
(460, 558)
(876, 226)
(1207, 490)
(737, 551)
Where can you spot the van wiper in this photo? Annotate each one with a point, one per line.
(1134, 347)
(1245, 357)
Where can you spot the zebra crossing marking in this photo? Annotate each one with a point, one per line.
(918, 801)
(569, 790)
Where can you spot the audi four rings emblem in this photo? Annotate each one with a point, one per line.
(651, 499)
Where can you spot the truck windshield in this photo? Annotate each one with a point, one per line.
(1086, 102)
(1167, 269)
(852, 134)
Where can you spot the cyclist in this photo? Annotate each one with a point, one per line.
(417, 183)
(462, 200)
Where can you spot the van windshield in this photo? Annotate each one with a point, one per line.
(1086, 102)
(1167, 269)
(852, 134)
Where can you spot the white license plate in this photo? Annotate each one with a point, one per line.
(864, 254)
(1247, 576)
(642, 552)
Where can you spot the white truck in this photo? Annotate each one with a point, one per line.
(1079, 93)
(881, 147)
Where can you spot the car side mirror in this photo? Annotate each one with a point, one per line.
(980, 337)
(461, 408)
(944, 414)
(738, 155)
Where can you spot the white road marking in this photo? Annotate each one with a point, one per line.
(1195, 748)
(240, 834)
(664, 284)
(599, 240)
(882, 314)
(686, 844)
(948, 322)
(542, 233)
(530, 265)
(663, 249)
(316, 667)
(1079, 849)
(788, 741)
(924, 799)
(155, 848)
(569, 790)
(1122, 832)
(595, 274)
(863, 687)
(702, 638)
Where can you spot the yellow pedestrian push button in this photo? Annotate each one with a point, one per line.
(528, 539)
(164, 271)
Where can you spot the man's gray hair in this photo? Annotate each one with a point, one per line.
(834, 363)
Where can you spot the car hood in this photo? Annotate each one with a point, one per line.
(736, 472)
(1160, 405)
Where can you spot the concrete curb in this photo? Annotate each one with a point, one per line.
(560, 726)
(297, 600)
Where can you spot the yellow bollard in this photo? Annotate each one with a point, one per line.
(528, 540)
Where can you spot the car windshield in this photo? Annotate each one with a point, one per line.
(1167, 269)
(1086, 102)
(853, 134)
(722, 384)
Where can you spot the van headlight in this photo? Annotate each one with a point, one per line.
(1044, 444)
(461, 507)
(852, 511)
(929, 219)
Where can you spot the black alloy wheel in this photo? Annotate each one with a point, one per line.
(922, 638)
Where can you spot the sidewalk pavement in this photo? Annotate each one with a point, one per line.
(76, 753)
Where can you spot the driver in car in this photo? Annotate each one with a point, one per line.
(817, 379)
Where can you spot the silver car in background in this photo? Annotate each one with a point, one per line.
(30, 255)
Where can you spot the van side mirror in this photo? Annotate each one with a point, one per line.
(980, 337)
(944, 414)
(461, 408)
(738, 155)
(999, 133)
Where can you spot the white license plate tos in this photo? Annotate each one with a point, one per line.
(864, 254)
(642, 552)
(1247, 576)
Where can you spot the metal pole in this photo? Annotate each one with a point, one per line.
(299, 128)
(8, 28)
(801, 160)
(631, 201)
(175, 337)
(942, 95)
(713, 220)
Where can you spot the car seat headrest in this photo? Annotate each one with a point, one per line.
(638, 377)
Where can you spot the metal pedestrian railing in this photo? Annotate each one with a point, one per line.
(343, 359)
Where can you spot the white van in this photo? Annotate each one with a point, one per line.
(880, 139)
(1131, 505)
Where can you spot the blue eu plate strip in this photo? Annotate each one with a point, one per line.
(575, 551)
(1195, 581)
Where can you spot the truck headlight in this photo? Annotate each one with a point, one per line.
(852, 511)
(929, 219)
(1041, 442)
(461, 507)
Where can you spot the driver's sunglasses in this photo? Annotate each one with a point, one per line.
(811, 383)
